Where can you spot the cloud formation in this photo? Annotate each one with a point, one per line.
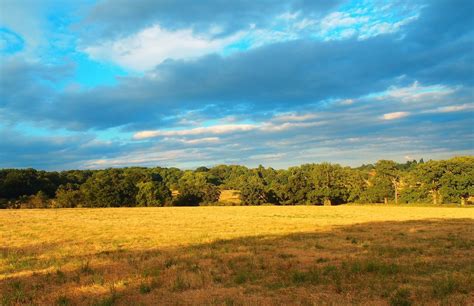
(151, 46)
(395, 115)
(116, 18)
(246, 82)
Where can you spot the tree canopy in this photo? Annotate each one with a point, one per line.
(441, 181)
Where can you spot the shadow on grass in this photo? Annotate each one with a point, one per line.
(399, 263)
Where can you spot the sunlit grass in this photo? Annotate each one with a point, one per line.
(237, 255)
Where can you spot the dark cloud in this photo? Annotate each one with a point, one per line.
(275, 77)
(18, 150)
(26, 88)
(57, 152)
(350, 134)
(111, 18)
(284, 75)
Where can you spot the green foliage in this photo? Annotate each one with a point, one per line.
(145, 288)
(414, 194)
(328, 184)
(15, 182)
(457, 183)
(230, 176)
(152, 194)
(444, 286)
(377, 191)
(170, 176)
(196, 188)
(68, 196)
(383, 182)
(296, 187)
(448, 181)
(109, 188)
(39, 200)
(254, 192)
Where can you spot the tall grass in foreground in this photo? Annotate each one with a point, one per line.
(237, 255)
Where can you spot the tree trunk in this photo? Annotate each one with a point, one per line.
(395, 187)
(435, 196)
(385, 200)
(396, 195)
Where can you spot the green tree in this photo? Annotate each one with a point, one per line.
(253, 191)
(196, 188)
(39, 200)
(170, 176)
(68, 196)
(328, 186)
(457, 183)
(109, 188)
(385, 181)
(356, 182)
(429, 174)
(153, 193)
(412, 190)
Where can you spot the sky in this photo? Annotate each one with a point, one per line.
(89, 84)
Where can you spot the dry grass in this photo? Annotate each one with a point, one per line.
(238, 255)
(230, 197)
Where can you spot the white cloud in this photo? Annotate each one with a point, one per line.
(277, 127)
(288, 16)
(200, 140)
(378, 28)
(271, 156)
(304, 24)
(278, 123)
(395, 115)
(417, 92)
(347, 102)
(452, 108)
(371, 21)
(216, 129)
(294, 117)
(340, 19)
(151, 46)
(147, 157)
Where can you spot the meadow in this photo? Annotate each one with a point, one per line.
(255, 255)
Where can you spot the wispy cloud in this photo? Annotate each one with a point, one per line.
(452, 108)
(395, 115)
(216, 129)
(294, 117)
(417, 92)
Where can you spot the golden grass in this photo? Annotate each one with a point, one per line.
(237, 255)
(230, 196)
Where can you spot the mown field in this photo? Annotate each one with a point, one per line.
(298, 255)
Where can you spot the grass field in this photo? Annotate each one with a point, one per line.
(267, 255)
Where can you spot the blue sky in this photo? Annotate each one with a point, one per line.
(95, 84)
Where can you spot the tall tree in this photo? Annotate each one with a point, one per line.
(196, 188)
(328, 186)
(153, 193)
(386, 174)
(430, 174)
(457, 183)
(109, 188)
(253, 191)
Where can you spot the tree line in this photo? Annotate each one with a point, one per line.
(437, 182)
